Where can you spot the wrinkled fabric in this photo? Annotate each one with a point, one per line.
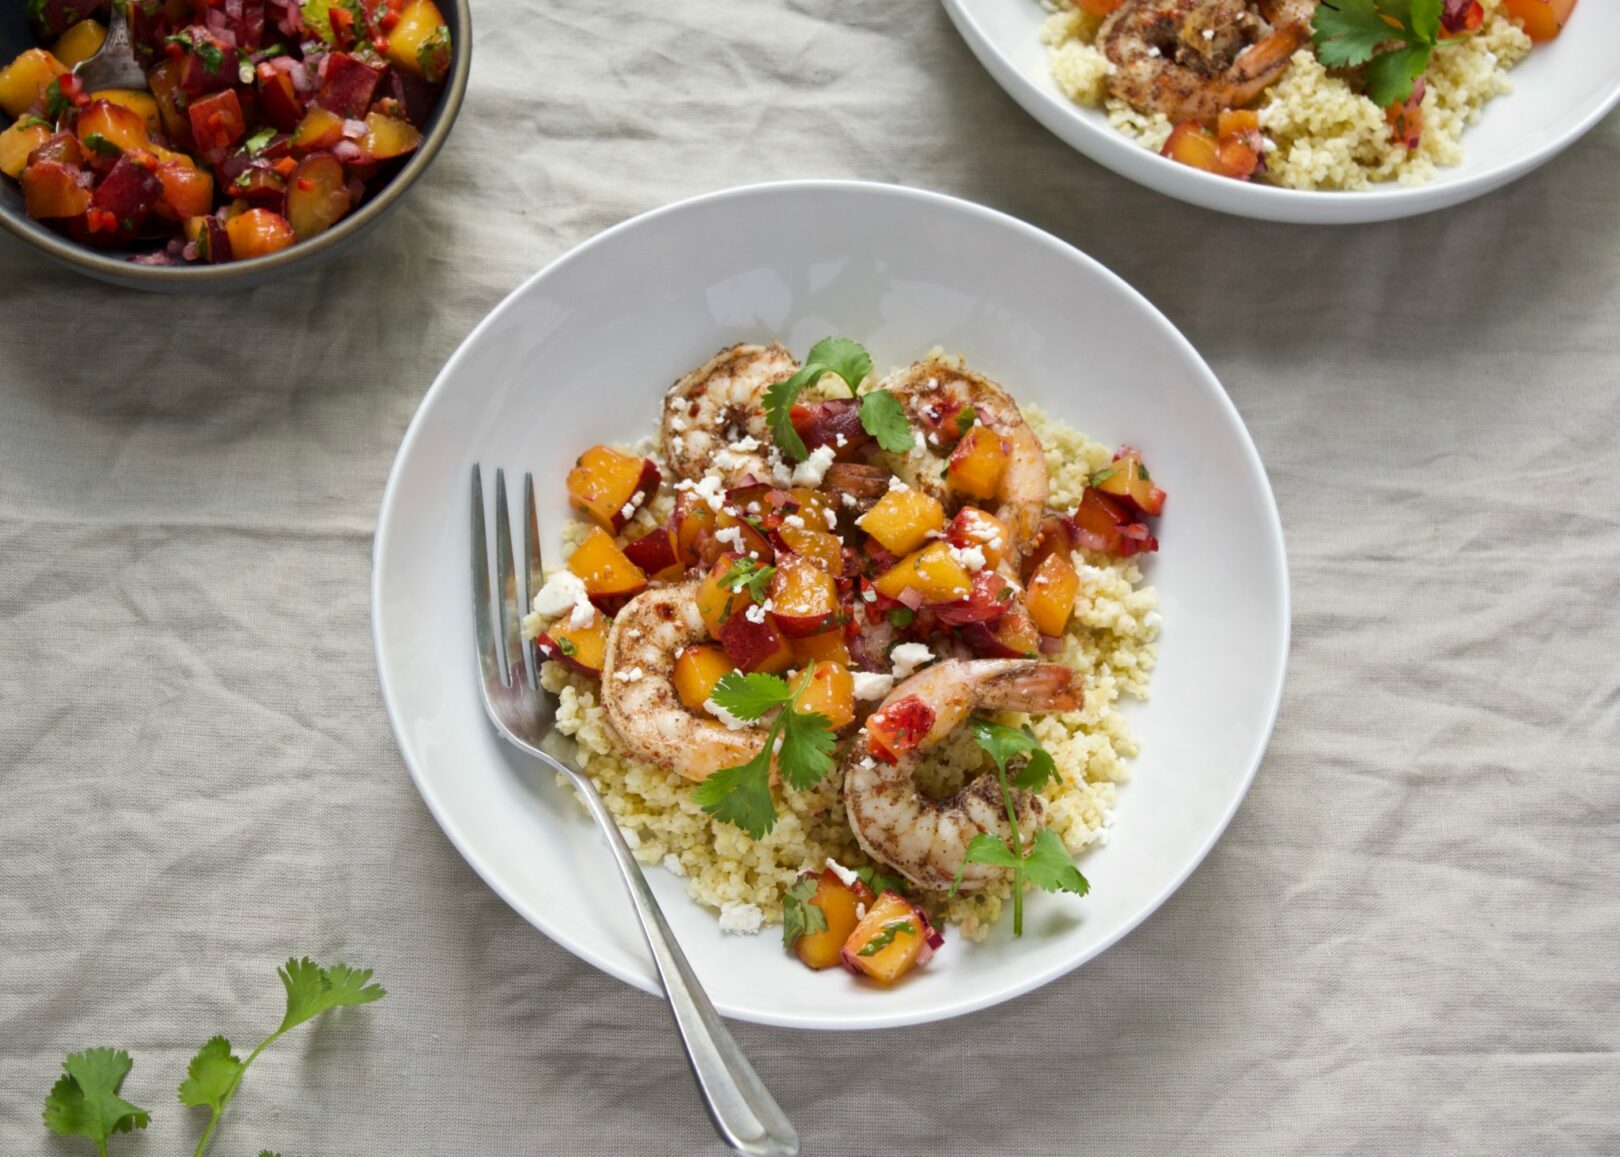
(1406, 942)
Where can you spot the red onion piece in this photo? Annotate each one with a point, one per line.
(354, 130)
(347, 151)
(1051, 645)
(911, 598)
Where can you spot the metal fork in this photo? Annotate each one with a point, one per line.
(739, 1104)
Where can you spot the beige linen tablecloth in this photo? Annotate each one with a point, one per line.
(1409, 940)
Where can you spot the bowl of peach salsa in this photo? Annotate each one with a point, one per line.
(265, 133)
(868, 633)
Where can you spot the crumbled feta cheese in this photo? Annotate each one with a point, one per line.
(867, 761)
(677, 443)
(628, 510)
(907, 657)
(1153, 51)
(757, 612)
(794, 521)
(840, 441)
(724, 716)
(633, 675)
(897, 486)
(971, 557)
(746, 443)
(933, 439)
(711, 489)
(842, 872)
(813, 469)
(860, 910)
(869, 685)
(831, 516)
(920, 442)
(676, 422)
(753, 508)
(730, 536)
(562, 591)
(1209, 34)
(741, 919)
(847, 499)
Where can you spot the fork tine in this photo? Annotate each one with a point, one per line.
(532, 570)
(489, 660)
(517, 670)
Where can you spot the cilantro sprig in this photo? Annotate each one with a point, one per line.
(1349, 34)
(886, 936)
(881, 413)
(1046, 864)
(799, 916)
(747, 574)
(85, 1100)
(742, 795)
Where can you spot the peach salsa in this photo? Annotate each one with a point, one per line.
(847, 653)
(1305, 94)
(263, 123)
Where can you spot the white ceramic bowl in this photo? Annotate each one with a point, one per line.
(1560, 92)
(583, 351)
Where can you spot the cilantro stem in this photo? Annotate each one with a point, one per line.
(1017, 850)
(236, 1083)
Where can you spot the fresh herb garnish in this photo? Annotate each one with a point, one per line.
(102, 146)
(433, 57)
(742, 795)
(1103, 475)
(317, 15)
(799, 916)
(881, 414)
(965, 417)
(1349, 33)
(902, 617)
(880, 883)
(566, 646)
(84, 1102)
(259, 141)
(1045, 863)
(56, 101)
(215, 1073)
(886, 937)
(33, 122)
(747, 573)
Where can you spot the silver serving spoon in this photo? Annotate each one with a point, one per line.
(114, 66)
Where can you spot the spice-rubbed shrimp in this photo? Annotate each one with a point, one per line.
(638, 689)
(722, 403)
(929, 389)
(925, 839)
(1192, 59)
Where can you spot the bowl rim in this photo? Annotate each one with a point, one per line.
(876, 1020)
(120, 269)
(1241, 198)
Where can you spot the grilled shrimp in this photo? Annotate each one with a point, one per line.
(926, 839)
(721, 403)
(938, 387)
(638, 689)
(1190, 59)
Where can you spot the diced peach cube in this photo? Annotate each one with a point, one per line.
(902, 520)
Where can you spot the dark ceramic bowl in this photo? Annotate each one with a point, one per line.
(15, 36)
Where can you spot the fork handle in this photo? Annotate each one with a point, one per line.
(742, 1109)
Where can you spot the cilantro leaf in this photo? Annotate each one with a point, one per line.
(884, 419)
(984, 848)
(1349, 33)
(807, 745)
(880, 883)
(746, 572)
(1037, 771)
(839, 356)
(901, 617)
(799, 916)
(965, 418)
(101, 146)
(1001, 742)
(433, 57)
(741, 795)
(211, 1075)
(312, 990)
(750, 696)
(886, 937)
(1391, 75)
(259, 141)
(1049, 866)
(1103, 475)
(84, 1102)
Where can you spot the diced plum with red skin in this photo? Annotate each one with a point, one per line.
(149, 32)
(214, 245)
(415, 96)
(1013, 636)
(217, 124)
(1107, 525)
(864, 484)
(247, 25)
(252, 179)
(991, 597)
(53, 190)
(349, 87)
(207, 63)
(126, 195)
(654, 552)
(899, 727)
(280, 102)
(823, 423)
(755, 646)
(51, 18)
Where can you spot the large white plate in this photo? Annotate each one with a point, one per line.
(582, 352)
(1560, 92)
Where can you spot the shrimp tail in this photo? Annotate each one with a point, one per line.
(1031, 686)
